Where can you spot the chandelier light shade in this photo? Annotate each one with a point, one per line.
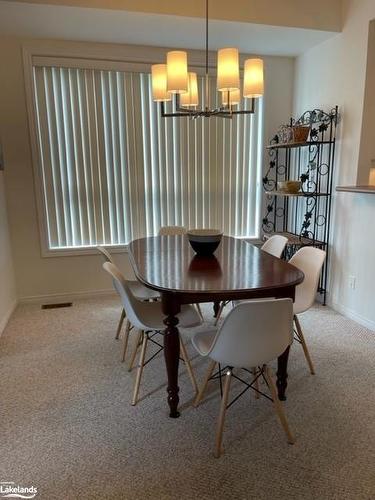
(177, 73)
(172, 81)
(190, 98)
(228, 71)
(253, 85)
(159, 83)
(234, 97)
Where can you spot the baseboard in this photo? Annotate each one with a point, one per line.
(349, 313)
(6, 318)
(66, 297)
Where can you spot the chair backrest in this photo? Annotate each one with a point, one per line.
(275, 245)
(254, 333)
(129, 276)
(172, 231)
(107, 256)
(310, 261)
(132, 306)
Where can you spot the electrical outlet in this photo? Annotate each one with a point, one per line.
(352, 283)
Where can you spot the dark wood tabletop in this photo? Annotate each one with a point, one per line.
(237, 270)
(169, 264)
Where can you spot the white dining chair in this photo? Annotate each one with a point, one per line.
(275, 246)
(310, 261)
(172, 231)
(148, 319)
(137, 289)
(253, 334)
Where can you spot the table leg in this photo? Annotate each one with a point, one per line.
(216, 308)
(282, 373)
(171, 352)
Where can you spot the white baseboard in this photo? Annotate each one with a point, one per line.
(66, 297)
(349, 313)
(4, 320)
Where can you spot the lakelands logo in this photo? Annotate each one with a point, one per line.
(13, 490)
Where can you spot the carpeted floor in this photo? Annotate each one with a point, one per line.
(67, 426)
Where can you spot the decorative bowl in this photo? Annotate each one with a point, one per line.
(291, 187)
(204, 241)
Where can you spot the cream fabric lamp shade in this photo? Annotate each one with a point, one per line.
(159, 83)
(253, 78)
(228, 73)
(177, 74)
(190, 98)
(234, 97)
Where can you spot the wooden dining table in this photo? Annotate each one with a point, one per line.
(237, 270)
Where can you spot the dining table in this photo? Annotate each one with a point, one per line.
(238, 270)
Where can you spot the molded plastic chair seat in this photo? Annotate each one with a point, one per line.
(153, 317)
(275, 245)
(138, 289)
(148, 318)
(141, 292)
(253, 334)
(202, 341)
(310, 261)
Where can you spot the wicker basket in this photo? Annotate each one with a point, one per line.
(300, 133)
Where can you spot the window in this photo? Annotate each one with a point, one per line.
(112, 170)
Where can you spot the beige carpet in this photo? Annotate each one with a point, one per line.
(66, 425)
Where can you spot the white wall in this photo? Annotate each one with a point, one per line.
(37, 276)
(7, 281)
(334, 73)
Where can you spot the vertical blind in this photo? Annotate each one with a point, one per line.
(113, 170)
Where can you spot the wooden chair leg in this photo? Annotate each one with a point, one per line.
(277, 404)
(304, 346)
(223, 409)
(256, 385)
(137, 344)
(202, 390)
(122, 317)
(199, 311)
(126, 339)
(220, 311)
(140, 369)
(188, 367)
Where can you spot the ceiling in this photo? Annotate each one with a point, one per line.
(325, 15)
(101, 25)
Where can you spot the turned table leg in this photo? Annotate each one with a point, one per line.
(171, 351)
(282, 374)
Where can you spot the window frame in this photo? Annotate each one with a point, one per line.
(102, 57)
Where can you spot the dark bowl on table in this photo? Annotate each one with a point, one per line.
(204, 241)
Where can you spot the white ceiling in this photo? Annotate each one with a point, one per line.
(72, 23)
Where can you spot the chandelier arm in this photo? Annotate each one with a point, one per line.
(173, 114)
(225, 115)
(246, 111)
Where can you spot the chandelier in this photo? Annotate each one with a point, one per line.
(173, 82)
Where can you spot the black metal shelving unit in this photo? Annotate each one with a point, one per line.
(304, 217)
